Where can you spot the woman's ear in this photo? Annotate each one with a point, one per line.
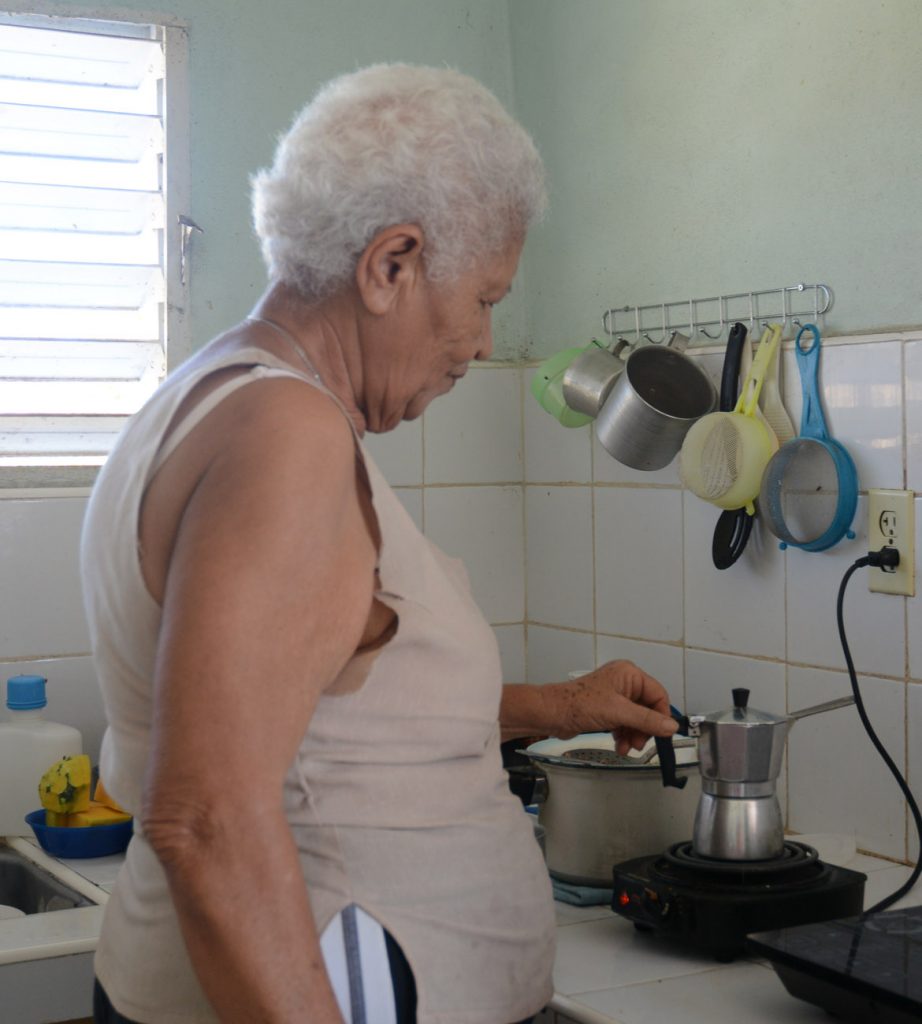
(391, 262)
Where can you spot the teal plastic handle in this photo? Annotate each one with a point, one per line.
(812, 420)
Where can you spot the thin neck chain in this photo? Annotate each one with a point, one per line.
(293, 341)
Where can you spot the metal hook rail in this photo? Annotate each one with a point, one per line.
(694, 315)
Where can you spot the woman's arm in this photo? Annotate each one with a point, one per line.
(618, 697)
(268, 589)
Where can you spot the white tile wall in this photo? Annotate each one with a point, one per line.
(399, 453)
(874, 623)
(914, 777)
(662, 661)
(511, 640)
(483, 527)
(912, 376)
(553, 653)
(41, 608)
(862, 392)
(638, 558)
(914, 608)
(740, 609)
(554, 454)
(474, 433)
(837, 780)
(412, 500)
(710, 678)
(559, 555)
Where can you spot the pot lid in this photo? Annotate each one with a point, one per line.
(742, 714)
(597, 750)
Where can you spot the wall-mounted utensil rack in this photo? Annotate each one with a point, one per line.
(695, 316)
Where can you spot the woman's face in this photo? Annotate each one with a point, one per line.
(443, 327)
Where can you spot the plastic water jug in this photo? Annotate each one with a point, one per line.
(29, 746)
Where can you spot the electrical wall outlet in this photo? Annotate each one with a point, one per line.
(891, 523)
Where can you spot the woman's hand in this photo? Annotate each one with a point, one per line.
(619, 698)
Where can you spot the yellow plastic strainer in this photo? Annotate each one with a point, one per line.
(725, 454)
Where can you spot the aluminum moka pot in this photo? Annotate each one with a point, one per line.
(741, 751)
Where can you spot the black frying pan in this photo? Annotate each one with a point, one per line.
(734, 525)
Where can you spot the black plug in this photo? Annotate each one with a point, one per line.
(887, 559)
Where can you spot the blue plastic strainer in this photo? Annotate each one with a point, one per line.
(809, 490)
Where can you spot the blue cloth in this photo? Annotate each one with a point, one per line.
(580, 895)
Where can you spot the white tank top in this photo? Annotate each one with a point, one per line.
(397, 799)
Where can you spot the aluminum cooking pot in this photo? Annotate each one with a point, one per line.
(599, 809)
(652, 405)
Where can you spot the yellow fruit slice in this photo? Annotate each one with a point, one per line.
(65, 787)
(96, 814)
(101, 796)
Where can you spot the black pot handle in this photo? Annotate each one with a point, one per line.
(528, 783)
(666, 752)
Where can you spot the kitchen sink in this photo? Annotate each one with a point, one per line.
(31, 889)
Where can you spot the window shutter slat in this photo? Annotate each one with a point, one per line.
(82, 209)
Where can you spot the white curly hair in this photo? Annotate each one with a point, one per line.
(393, 144)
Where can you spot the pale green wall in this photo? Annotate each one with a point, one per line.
(694, 146)
(706, 146)
(253, 65)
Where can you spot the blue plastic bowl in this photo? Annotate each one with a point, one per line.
(93, 841)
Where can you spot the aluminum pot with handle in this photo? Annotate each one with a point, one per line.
(741, 752)
(599, 808)
(659, 395)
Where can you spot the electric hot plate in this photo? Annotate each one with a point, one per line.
(714, 904)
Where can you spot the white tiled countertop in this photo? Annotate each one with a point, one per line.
(607, 972)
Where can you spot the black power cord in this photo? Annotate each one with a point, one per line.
(886, 558)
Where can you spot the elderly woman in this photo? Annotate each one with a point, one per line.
(305, 705)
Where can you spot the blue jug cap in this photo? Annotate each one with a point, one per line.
(25, 693)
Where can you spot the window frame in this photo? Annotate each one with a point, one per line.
(41, 480)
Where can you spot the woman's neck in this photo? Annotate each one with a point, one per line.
(322, 337)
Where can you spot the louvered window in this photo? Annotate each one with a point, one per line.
(83, 217)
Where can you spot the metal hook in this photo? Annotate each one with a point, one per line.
(720, 314)
(785, 314)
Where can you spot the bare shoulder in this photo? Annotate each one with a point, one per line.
(275, 459)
